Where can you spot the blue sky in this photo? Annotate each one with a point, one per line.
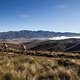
(51, 15)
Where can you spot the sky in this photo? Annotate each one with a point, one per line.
(47, 15)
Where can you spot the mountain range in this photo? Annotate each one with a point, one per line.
(27, 34)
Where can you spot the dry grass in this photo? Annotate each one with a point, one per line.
(26, 67)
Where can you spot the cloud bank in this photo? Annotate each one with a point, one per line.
(24, 16)
(63, 37)
(60, 6)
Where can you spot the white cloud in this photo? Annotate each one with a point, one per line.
(64, 37)
(60, 6)
(24, 16)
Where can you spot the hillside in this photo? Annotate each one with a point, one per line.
(28, 67)
(66, 45)
(41, 62)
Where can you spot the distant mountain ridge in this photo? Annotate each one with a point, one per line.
(34, 34)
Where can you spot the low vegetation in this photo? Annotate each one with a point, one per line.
(31, 67)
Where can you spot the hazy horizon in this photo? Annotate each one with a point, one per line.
(38, 30)
(46, 15)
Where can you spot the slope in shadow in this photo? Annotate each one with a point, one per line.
(54, 45)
